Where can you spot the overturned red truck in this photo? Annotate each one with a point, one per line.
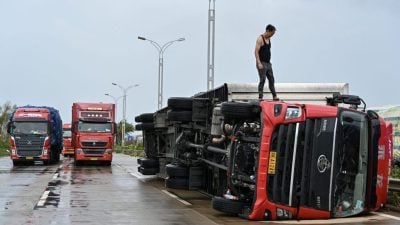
(272, 160)
(93, 132)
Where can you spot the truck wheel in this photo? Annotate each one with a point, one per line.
(180, 103)
(57, 158)
(176, 171)
(227, 206)
(177, 183)
(180, 116)
(77, 163)
(138, 119)
(17, 163)
(147, 117)
(144, 126)
(148, 163)
(240, 110)
(147, 126)
(106, 163)
(138, 126)
(147, 171)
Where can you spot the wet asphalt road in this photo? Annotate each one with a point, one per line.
(65, 194)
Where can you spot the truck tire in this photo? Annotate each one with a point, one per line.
(240, 110)
(147, 117)
(176, 171)
(106, 163)
(57, 158)
(180, 116)
(227, 206)
(147, 171)
(144, 126)
(138, 119)
(148, 163)
(177, 183)
(180, 103)
(17, 163)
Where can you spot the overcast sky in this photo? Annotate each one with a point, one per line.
(58, 52)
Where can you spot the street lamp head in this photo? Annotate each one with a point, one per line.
(107, 94)
(141, 38)
(113, 83)
(181, 39)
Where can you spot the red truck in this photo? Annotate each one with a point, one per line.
(93, 132)
(36, 135)
(272, 160)
(68, 150)
(313, 162)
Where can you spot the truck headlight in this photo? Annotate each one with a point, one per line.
(293, 112)
(283, 214)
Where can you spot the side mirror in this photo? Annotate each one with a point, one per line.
(115, 128)
(9, 126)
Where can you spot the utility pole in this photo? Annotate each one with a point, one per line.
(211, 45)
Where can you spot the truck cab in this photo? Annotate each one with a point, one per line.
(304, 161)
(93, 132)
(68, 149)
(35, 135)
(318, 154)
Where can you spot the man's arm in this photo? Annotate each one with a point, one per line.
(256, 50)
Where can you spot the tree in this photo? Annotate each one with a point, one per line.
(5, 110)
(128, 128)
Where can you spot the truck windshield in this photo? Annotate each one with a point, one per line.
(351, 174)
(94, 127)
(30, 127)
(66, 133)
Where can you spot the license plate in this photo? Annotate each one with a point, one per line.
(272, 163)
(93, 158)
(29, 157)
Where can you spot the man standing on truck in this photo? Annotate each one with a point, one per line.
(264, 66)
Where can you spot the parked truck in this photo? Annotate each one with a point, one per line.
(36, 135)
(268, 160)
(68, 149)
(93, 132)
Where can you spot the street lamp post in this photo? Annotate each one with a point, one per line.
(115, 101)
(116, 111)
(161, 50)
(124, 90)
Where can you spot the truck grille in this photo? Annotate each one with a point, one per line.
(307, 184)
(33, 153)
(93, 151)
(29, 145)
(94, 143)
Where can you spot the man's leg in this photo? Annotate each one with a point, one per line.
(271, 80)
(262, 74)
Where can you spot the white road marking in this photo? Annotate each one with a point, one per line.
(361, 219)
(176, 197)
(43, 198)
(387, 215)
(55, 176)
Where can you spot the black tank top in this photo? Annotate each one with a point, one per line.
(265, 51)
